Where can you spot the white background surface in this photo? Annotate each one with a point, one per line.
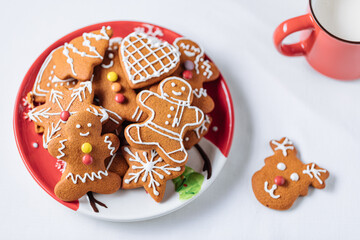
(274, 96)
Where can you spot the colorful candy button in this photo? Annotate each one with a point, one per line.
(187, 74)
(119, 98)
(112, 76)
(116, 87)
(64, 115)
(189, 65)
(87, 159)
(279, 180)
(86, 148)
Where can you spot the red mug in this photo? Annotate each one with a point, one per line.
(328, 54)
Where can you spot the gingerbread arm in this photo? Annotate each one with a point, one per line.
(57, 146)
(316, 174)
(112, 142)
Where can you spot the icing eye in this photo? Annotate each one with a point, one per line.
(89, 124)
(78, 126)
(281, 166)
(173, 84)
(182, 88)
(294, 177)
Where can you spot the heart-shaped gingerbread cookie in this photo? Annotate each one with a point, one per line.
(146, 59)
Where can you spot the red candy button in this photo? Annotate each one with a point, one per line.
(87, 159)
(187, 74)
(64, 115)
(119, 98)
(279, 180)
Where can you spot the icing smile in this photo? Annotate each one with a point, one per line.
(271, 191)
(189, 54)
(84, 134)
(176, 93)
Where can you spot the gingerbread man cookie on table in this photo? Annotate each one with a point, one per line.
(284, 177)
(77, 58)
(114, 92)
(170, 117)
(146, 60)
(147, 169)
(196, 70)
(60, 104)
(84, 150)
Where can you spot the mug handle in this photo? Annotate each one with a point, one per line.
(288, 27)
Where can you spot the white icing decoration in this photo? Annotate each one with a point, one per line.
(207, 73)
(103, 114)
(173, 84)
(89, 124)
(202, 128)
(56, 97)
(150, 30)
(200, 92)
(112, 159)
(35, 145)
(110, 146)
(281, 166)
(271, 191)
(313, 172)
(187, 139)
(116, 121)
(169, 116)
(61, 148)
(108, 65)
(174, 134)
(294, 177)
(172, 108)
(167, 122)
(215, 128)
(86, 43)
(152, 44)
(176, 93)
(148, 168)
(78, 126)
(136, 114)
(182, 88)
(282, 147)
(86, 176)
(84, 134)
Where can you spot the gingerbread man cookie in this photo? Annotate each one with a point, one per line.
(146, 59)
(84, 150)
(170, 117)
(60, 104)
(284, 177)
(78, 58)
(196, 70)
(147, 169)
(114, 92)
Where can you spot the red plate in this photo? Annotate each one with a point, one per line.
(39, 162)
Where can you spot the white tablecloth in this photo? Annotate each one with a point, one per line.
(274, 96)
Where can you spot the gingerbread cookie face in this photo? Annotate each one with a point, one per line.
(77, 58)
(146, 59)
(114, 92)
(47, 80)
(60, 104)
(284, 177)
(170, 117)
(196, 70)
(84, 150)
(147, 169)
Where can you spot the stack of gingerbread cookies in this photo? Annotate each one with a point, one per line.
(121, 112)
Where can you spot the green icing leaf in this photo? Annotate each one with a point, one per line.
(188, 184)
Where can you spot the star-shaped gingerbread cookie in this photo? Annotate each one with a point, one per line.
(60, 104)
(147, 169)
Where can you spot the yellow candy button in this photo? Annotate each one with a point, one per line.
(86, 148)
(112, 76)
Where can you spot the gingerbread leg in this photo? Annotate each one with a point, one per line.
(67, 191)
(207, 164)
(107, 184)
